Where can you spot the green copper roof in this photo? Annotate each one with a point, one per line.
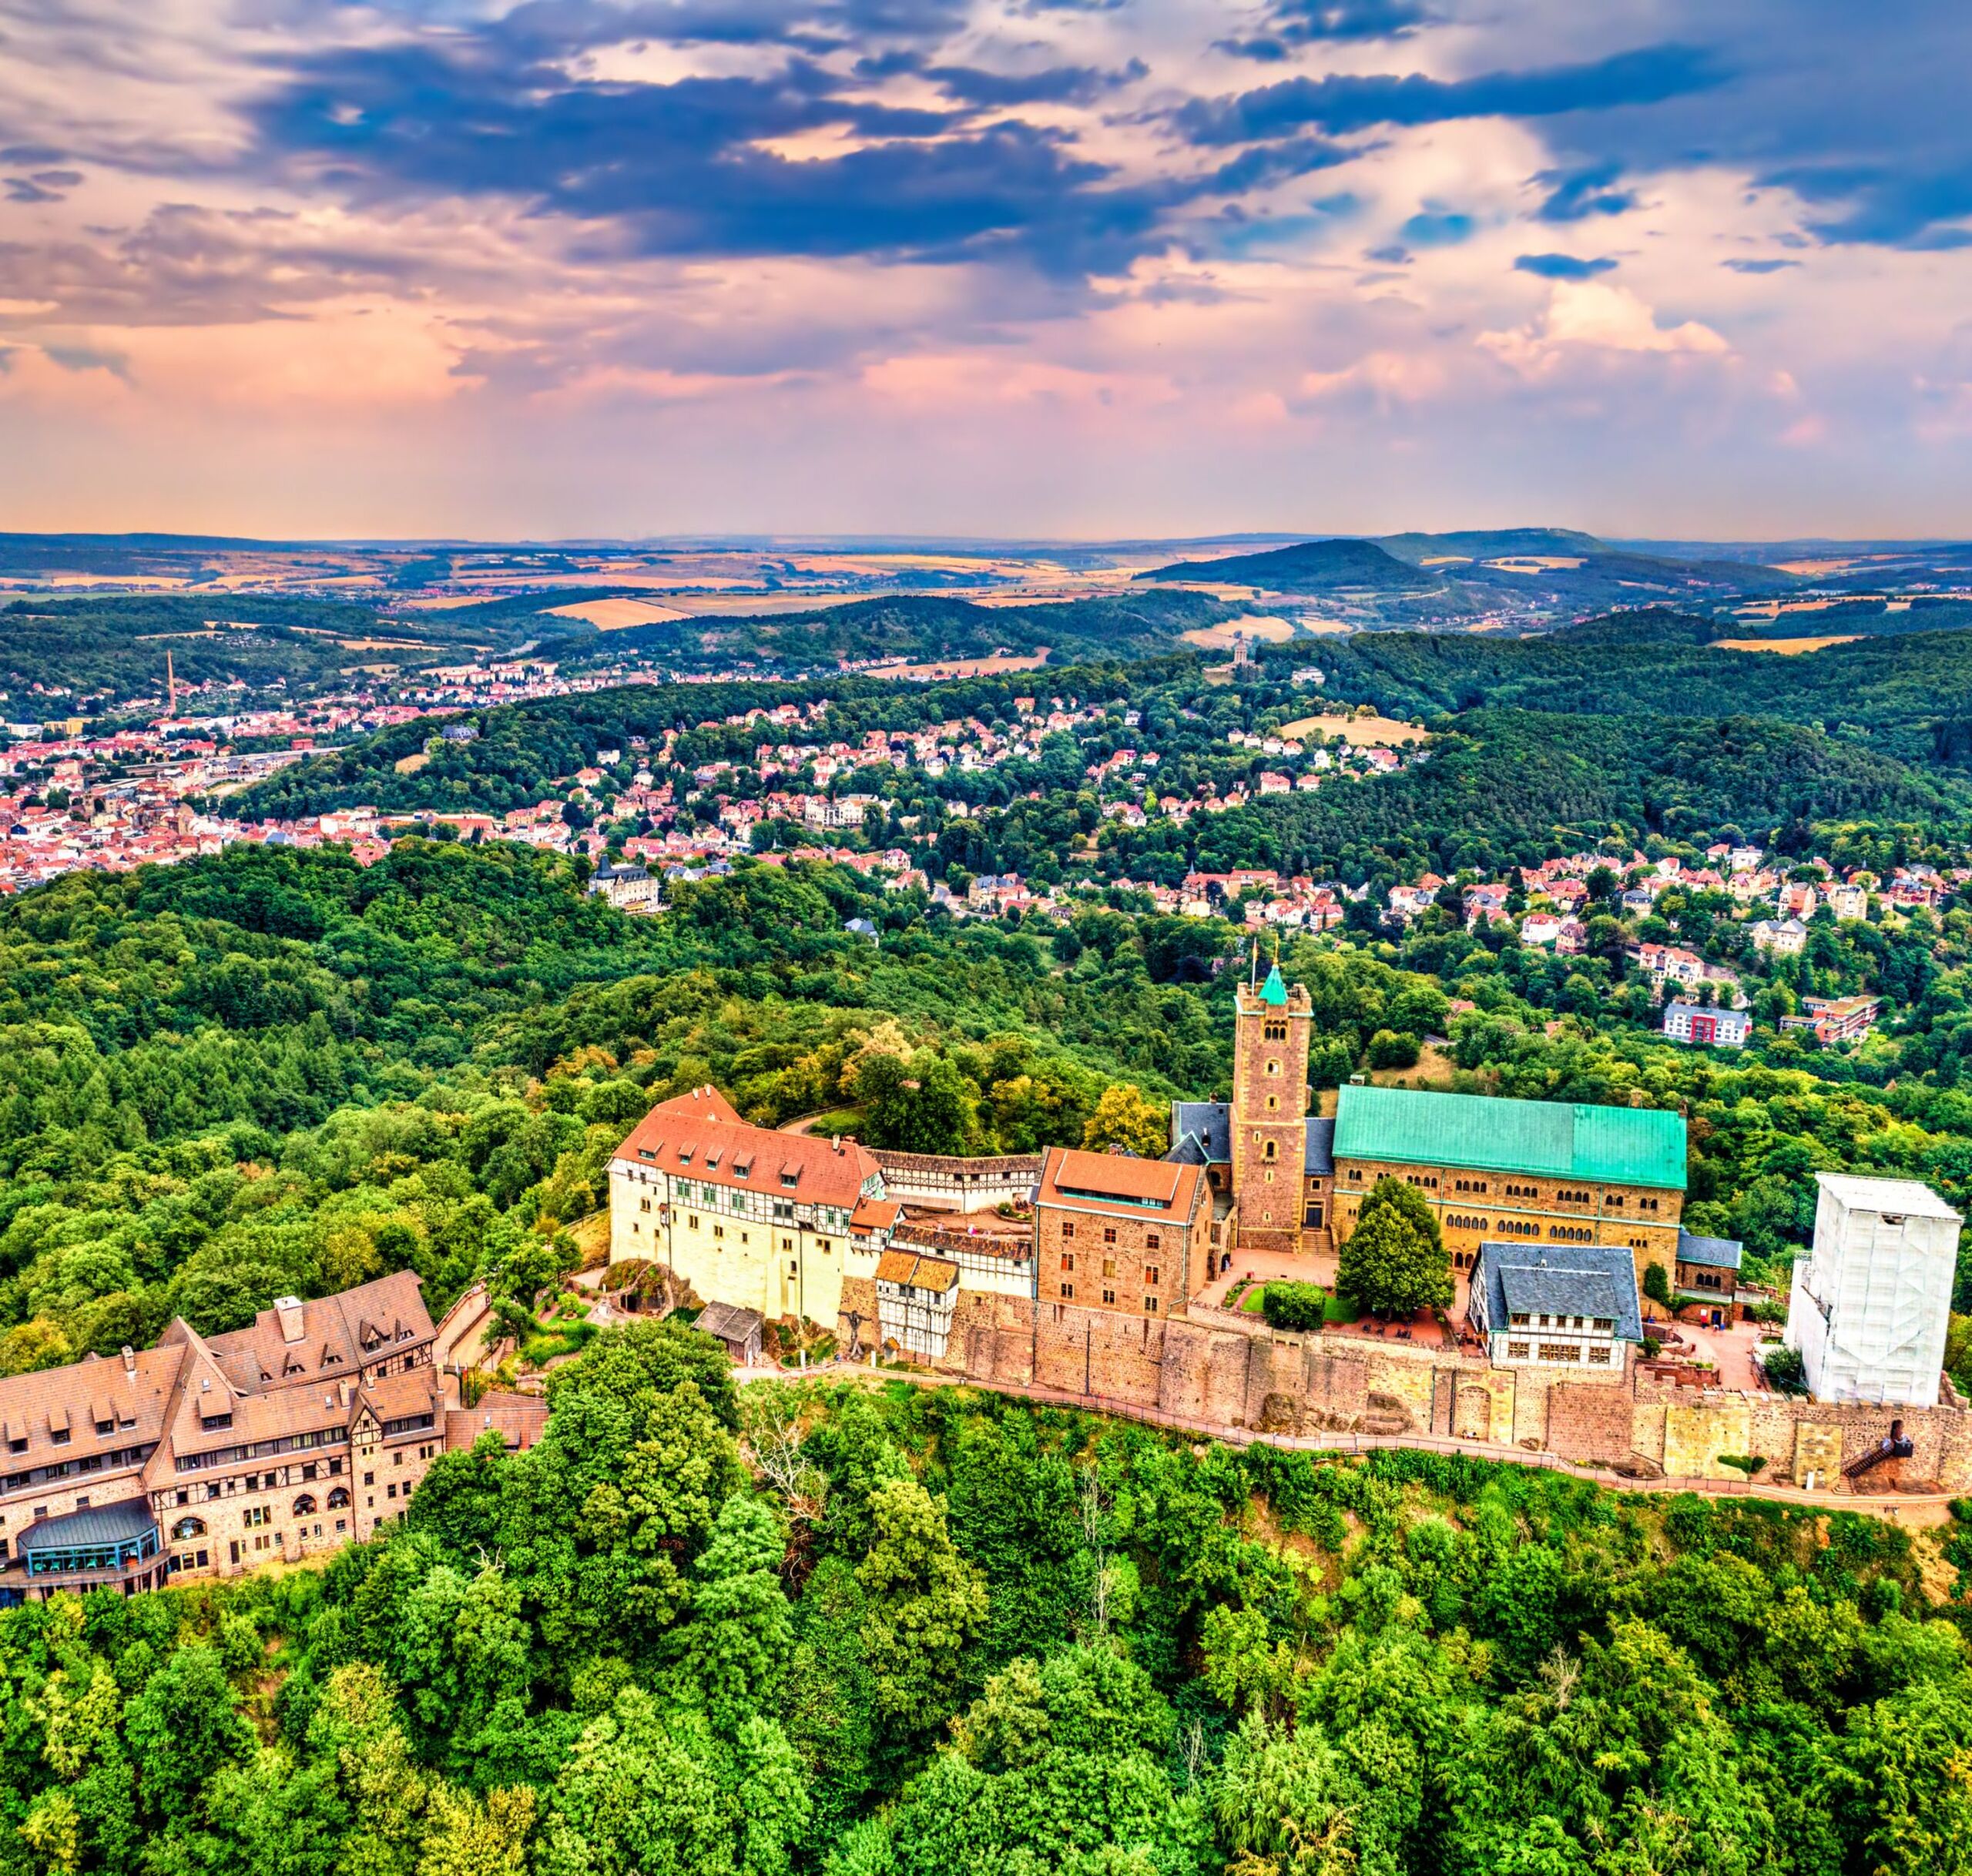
(1629, 1146)
(1273, 990)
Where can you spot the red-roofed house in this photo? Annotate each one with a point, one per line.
(746, 1216)
(1111, 1232)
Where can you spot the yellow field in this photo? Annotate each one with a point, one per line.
(410, 765)
(1222, 637)
(1379, 733)
(618, 614)
(1786, 647)
(962, 667)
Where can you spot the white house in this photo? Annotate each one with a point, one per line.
(1871, 1302)
(1556, 1305)
(1783, 937)
(1707, 1029)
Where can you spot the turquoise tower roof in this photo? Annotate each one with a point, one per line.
(1273, 990)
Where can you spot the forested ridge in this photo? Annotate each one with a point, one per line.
(108, 649)
(800, 1631)
(924, 1633)
(1903, 695)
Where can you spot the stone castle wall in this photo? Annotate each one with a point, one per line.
(1249, 1376)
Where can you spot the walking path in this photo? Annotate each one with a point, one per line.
(1923, 1508)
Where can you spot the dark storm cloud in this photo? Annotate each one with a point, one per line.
(680, 168)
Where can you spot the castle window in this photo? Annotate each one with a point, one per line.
(1109, 1297)
(1599, 1356)
(1274, 1030)
(1067, 1228)
(1150, 1240)
(1150, 1306)
(1108, 1267)
(1517, 1350)
(1068, 1260)
(1267, 1152)
(1273, 1068)
(1150, 1275)
(1272, 1102)
(1069, 1292)
(1109, 1234)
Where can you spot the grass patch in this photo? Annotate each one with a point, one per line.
(836, 1121)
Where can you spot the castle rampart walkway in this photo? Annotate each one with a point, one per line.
(1910, 1509)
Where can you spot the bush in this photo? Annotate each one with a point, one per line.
(1747, 1462)
(1657, 1283)
(1294, 1305)
(1786, 1371)
(1390, 1049)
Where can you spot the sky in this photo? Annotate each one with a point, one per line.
(1056, 269)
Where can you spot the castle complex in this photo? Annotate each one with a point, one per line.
(1492, 1169)
(1556, 1214)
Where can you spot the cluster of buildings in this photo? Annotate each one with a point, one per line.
(1556, 1216)
(211, 1455)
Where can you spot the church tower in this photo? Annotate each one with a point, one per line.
(1268, 1123)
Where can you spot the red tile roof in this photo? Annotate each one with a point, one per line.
(1114, 1183)
(698, 1136)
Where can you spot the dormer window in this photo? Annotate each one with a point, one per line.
(684, 1156)
(104, 1428)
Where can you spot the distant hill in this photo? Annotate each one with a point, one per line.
(1493, 543)
(1307, 567)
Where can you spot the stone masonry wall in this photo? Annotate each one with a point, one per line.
(1633, 1421)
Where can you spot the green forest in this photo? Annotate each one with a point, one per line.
(799, 1630)
(277, 1071)
(93, 654)
(1903, 695)
(902, 1631)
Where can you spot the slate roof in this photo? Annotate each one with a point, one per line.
(100, 1524)
(1205, 1123)
(1713, 1253)
(1201, 1133)
(1565, 1280)
(1321, 1145)
(1627, 1146)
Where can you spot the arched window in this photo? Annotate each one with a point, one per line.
(187, 1527)
(305, 1506)
(339, 1498)
(1266, 1152)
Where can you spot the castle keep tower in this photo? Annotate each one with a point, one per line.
(1268, 1123)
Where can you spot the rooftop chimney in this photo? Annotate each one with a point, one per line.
(289, 1309)
(129, 1359)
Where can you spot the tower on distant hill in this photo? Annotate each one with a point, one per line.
(1268, 1123)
